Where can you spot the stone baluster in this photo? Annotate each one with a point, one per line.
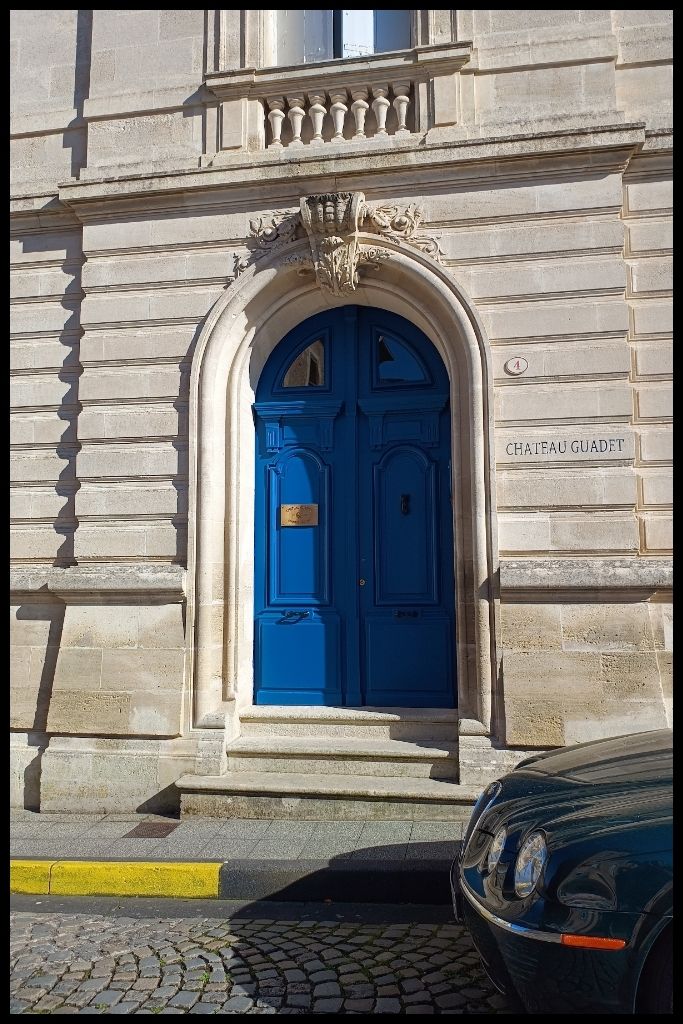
(359, 95)
(316, 112)
(400, 105)
(276, 115)
(380, 105)
(338, 110)
(296, 114)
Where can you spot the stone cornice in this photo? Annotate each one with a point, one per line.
(42, 211)
(99, 582)
(594, 574)
(420, 62)
(607, 149)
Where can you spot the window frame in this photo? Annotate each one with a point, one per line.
(269, 37)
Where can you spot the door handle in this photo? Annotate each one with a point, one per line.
(405, 504)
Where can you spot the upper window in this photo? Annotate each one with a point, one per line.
(309, 36)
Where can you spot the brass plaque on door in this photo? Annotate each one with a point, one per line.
(298, 515)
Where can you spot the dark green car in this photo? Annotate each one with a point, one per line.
(565, 878)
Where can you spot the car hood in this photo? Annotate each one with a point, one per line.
(642, 758)
(591, 790)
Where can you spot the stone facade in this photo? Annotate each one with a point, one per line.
(516, 169)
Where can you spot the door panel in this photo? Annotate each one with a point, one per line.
(353, 594)
(408, 660)
(298, 659)
(405, 528)
(299, 562)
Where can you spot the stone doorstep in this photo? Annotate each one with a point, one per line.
(357, 716)
(321, 755)
(434, 726)
(301, 784)
(341, 747)
(314, 797)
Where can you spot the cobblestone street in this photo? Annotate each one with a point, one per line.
(65, 962)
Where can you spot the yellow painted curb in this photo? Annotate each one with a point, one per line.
(183, 880)
(30, 876)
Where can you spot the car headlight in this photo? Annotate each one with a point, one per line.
(495, 849)
(529, 864)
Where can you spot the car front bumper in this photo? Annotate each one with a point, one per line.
(532, 965)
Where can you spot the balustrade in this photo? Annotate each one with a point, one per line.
(316, 108)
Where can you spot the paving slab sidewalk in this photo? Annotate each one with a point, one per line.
(146, 854)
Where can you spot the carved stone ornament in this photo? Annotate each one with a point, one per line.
(332, 221)
(390, 222)
(267, 232)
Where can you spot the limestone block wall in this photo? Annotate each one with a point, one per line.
(148, 285)
(560, 238)
(644, 65)
(98, 700)
(49, 67)
(647, 219)
(538, 67)
(143, 107)
(583, 669)
(45, 289)
(111, 670)
(43, 59)
(543, 261)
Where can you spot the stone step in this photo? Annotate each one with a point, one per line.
(408, 724)
(343, 756)
(311, 797)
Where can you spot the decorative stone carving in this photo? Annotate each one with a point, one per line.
(332, 221)
(268, 232)
(388, 220)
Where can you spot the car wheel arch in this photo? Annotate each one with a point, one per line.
(660, 940)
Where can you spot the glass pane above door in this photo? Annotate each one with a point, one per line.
(307, 370)
(396, 364)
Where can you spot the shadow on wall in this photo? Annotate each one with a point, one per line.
(77, 139)
(65, 522)
(67, 446)
(52, 612)
(166, 801)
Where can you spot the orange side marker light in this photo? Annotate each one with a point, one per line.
(590, 942)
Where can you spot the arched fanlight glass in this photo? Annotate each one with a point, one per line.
(307, 369)
(396, 363)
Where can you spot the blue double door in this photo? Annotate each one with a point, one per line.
(354, 588)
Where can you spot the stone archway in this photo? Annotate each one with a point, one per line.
(245, 325)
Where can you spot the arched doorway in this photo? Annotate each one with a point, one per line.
(247, 323)
(354, 593)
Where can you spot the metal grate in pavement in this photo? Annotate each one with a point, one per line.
(152, 830)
